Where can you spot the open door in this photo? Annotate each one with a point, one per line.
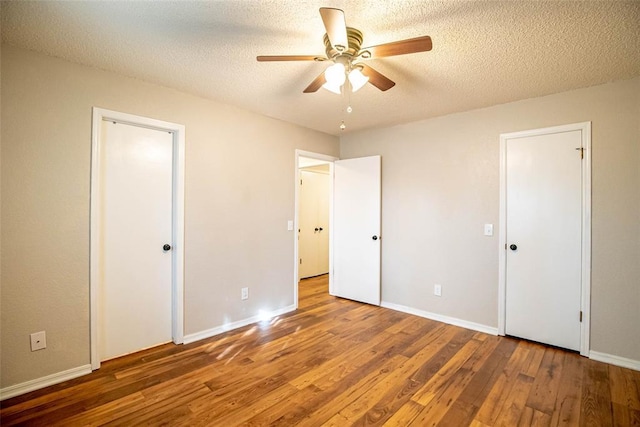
(356, 229)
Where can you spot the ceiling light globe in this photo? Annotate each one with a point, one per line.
(333, 88)
(357, 79)
(335, 74)
(335, 77)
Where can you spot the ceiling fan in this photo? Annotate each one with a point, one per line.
(343, 48)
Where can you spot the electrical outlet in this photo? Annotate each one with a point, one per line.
(488, 229)
(38, 341)
(437, 290)
(244, 293)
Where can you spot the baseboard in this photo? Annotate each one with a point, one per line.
(440, 318)
(38, 383)
(615, 360)
(234, 325)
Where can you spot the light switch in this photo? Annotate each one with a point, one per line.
(289, 225)
(488, 229)
(437, 290)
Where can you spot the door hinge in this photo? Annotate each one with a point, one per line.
(580, 315)
(300, 182)
(300, 260)
(505, 246)
(581, 149)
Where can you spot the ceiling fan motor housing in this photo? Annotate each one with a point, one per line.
(354, 37)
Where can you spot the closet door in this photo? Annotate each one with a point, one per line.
(313, 234)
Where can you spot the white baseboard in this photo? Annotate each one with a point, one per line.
(38, 383)
(234, 325)
(440, 318)
(615, 360)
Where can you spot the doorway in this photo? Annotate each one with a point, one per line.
(354, 209)
(545, 205)
(137, 205)
(313, 217)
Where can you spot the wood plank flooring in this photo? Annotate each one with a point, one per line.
(335, 362)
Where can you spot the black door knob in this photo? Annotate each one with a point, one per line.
(166, 247)
(513, 247)
(316, 229)
(320, 228)
(375, 237)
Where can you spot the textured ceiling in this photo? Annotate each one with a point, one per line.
(484, 52)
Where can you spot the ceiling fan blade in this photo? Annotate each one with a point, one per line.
(267, 58)
(336, 26)
(402, 47)
(316, 84)
(375, 78)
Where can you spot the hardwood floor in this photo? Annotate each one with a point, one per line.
(335, 362)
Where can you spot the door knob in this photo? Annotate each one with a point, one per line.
(375, 237)
(320, 229)
(316, 229)
(513, 247)
(166, 247)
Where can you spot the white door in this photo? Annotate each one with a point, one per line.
(544, 238)
(313, 227)
(356, 229)
(308, 221)
(135, 211)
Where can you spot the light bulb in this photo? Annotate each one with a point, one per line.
(357, 79)
(349, 109)
(342, 126)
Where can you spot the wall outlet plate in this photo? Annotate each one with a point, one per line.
(244, 293)
(38, 340)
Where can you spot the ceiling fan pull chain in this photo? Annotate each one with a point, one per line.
(346, 101)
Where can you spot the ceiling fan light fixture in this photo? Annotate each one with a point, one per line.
(335, 74)
(357, 79)
(335, 77)
(337, 89)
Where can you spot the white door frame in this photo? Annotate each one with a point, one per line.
(326, 158)
(585, 303)
(177, 253)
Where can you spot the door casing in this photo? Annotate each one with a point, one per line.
(177, 279)
(585, 303)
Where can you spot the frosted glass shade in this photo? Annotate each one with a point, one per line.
(357, 79)
(335, 77)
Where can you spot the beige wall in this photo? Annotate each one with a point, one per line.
(237, 205)
(440, 181)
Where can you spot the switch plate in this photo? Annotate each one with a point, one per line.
(244, 293)
(38, 340)
(488, 229)
(437, 290)
(289, 225)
